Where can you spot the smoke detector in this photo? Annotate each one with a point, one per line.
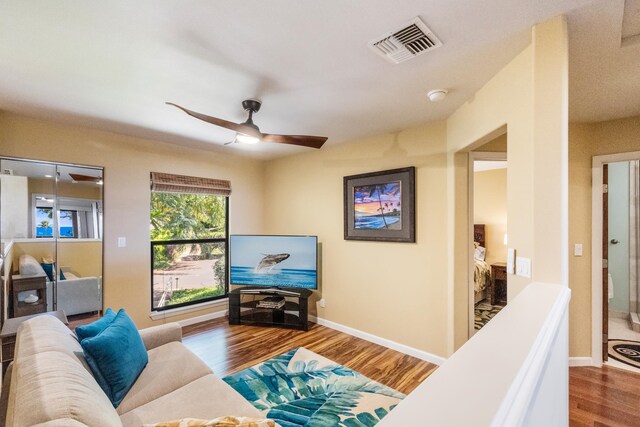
(437, 95)
(406, 42)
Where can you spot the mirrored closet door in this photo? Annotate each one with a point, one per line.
(51, 237)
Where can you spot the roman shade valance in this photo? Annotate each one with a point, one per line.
(169, 183)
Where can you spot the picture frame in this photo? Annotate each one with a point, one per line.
(380, 206)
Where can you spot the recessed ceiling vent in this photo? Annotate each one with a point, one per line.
(410, 40)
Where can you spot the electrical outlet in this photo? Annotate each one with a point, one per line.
(322, 303)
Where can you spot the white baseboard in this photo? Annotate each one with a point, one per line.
(423, 355)
(203, 318)
(581, 361)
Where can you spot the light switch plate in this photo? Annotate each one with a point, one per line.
(511, 257)
(122, 242)
(577, 251)
(523, 267)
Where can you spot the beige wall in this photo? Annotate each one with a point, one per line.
(83, 257)
(128, 162)
(490, 208)
(528, 99)
(585, 141)
(393, 290)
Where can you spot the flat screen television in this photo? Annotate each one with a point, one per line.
(274, 261)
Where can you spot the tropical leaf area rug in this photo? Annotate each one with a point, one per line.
(301, 388)
(485, 312)
(625, 351)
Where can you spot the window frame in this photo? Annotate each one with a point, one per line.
(224, 240)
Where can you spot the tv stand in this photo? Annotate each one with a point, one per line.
(269, 291)
(246, 308)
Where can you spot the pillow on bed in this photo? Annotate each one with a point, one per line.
(480, 253)
(28, 266)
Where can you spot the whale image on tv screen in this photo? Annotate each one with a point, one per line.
(274, 261)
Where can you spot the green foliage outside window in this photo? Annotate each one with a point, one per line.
(194, 270)
(186, 216)
(183, 217)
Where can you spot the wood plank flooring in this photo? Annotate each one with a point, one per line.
(606, 397)
(229, 349)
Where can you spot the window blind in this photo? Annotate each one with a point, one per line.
(170, 183)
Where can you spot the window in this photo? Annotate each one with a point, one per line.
(67, 223)
(76, 218)
(44, 222)
(189, 241)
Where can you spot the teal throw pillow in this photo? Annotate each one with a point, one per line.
(48, 269)
(116, 357)
(93, 329)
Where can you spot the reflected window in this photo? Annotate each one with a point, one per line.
(76, 219)
(68, 224)
(44, 222)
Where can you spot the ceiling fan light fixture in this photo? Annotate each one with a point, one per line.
(247, 139)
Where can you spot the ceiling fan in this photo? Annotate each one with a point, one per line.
(85, 178)
(249, 133)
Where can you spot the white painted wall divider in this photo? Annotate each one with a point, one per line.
(513, 372)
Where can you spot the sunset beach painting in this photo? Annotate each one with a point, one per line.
(378, 206)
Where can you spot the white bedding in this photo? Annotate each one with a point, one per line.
(481, 275)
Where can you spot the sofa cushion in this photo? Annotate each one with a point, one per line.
(52, 385)
(116, 357)
(207, 397)
(170, 367)
(94, 328)
(46, 333)
(28, 266)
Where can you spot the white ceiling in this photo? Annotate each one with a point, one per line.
(44, 170)
(112, 65)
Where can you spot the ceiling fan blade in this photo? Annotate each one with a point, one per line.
(238, 127)
(301, 140)
(88, 178)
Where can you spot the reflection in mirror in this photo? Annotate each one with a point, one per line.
(51, 235)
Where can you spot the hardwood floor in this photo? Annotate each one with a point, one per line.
(606, 397)
(82, 319)
(229, 349)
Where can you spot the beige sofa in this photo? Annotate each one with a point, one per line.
(50, 384)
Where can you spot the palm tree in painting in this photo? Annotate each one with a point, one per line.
(371, 190)
(44, 224)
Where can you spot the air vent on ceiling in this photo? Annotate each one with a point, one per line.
(410, 40)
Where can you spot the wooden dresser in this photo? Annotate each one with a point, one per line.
(498, 291)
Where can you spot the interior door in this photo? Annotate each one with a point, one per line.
(605, 262)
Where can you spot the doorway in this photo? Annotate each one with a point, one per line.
(616, 260)
(488, 241)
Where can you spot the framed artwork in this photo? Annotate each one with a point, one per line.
(380, 206)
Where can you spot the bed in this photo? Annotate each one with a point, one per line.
(482, 270)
